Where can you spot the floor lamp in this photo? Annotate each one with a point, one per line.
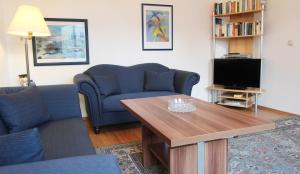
(28, 22)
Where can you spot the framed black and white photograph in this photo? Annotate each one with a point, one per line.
(157, 27)
(67, 45)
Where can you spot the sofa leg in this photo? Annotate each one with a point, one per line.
(97, 130)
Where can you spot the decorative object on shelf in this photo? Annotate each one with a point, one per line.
(157, 27)
(181, 105)
(68, 44)
(28, 22)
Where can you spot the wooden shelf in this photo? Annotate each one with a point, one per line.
(237, 37)
(236, 98)
(240, 13)
(160, 151)
(248, 90)
(236, 105)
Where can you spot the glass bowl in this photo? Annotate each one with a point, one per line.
(181, 105)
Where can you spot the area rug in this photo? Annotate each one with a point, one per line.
(269, 152)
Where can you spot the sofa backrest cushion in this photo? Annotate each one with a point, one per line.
(108, 84)
(3, 128)
(21, 147)
(131, 79)
(159, 81)
(23, 110)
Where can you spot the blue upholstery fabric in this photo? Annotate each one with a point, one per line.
(23, 110)
(3, 128)
(62, 101)
(112, 103)
(65, 138)
(116, 117)
(131, 80)
(92, 97)
(159, 81)
(20, 147)
(183, 83)
(94, 164)
(108, 84)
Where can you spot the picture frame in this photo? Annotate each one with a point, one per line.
(157, 27)
(67, 45)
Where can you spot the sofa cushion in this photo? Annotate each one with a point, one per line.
(112, 103)
(20, 147)
(65, 138)
(108, 84)
(131, 80)
(3, 128)
(91, 164)
(159, 81)
(23, 110)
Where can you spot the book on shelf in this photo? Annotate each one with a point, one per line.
(236, 6)
(235, 29)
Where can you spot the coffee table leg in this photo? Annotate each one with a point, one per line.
(183, 160)
(215, 155)
(147, 139)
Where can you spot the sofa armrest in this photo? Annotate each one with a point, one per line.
(62, 101)
(92, 95)
(184, 81)
(100, 164)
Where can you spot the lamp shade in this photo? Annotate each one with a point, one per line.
(27, 21)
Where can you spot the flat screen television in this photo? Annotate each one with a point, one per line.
(237, 73)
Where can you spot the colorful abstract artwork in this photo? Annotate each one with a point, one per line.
(67, 44)
(157, 27)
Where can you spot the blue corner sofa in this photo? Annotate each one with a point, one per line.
(103, 101)
(66, 144)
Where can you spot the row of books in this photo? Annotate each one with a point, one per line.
(234, 29)
(236, 6)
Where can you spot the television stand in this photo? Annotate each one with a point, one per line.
(241, 98)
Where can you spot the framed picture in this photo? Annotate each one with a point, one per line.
(67, 45)
(157, 27)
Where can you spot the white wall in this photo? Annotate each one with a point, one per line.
(3, 60)
(281, 76)
(115, 38)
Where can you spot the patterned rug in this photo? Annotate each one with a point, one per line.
(269, 152)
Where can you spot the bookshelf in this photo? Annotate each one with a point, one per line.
(238, 27)
(241, 27)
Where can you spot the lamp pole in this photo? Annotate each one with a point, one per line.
(27, 59)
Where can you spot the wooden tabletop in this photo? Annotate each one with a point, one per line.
(208, 122)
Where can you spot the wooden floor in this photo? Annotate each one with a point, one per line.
(122, 134)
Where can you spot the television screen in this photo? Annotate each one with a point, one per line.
(237, 73)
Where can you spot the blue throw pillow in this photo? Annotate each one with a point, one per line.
(131, 80)
(23, 110)
(159, 81)
(108, 84)
(21, 147)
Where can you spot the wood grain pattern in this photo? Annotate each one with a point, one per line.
(128, 133)
(216, 157)
(183, 160)
(208, 122)
(148, 157)
(241, 45)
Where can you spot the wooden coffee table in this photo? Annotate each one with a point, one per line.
(190, 143)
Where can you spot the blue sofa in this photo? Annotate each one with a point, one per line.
(65, 140)
(106, 110)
